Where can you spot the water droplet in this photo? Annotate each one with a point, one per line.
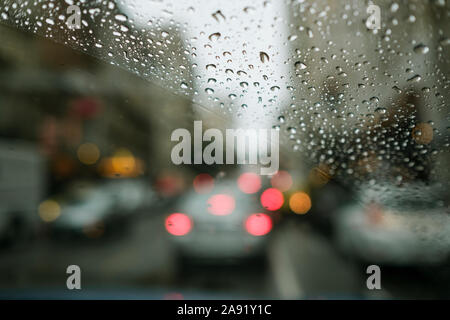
(249, 9)
(381, 110)
(397, 89)
(416, 78)
(444, 42)
(121, 17)
(218, 16)
(300, 65)
(421, 48)
(274, 88)
(264, 57)
(214, 36)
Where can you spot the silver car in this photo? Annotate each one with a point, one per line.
(225, 223)
(396, 225)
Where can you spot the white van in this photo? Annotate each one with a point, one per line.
(22, 184)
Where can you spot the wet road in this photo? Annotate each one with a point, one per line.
(140, 262)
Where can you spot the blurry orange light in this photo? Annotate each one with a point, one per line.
(249, 182)
(300, 202)
(121, 165)
(221, 204)
(123, 162)
(282, 180)
(178, 224)
(49, 210)
(258, 224)
(272, 199)
(203, 183)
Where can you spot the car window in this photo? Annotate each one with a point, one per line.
(341, 108)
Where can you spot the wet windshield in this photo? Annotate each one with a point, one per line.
(225, 148)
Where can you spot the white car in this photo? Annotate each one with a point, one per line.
(95, 206)
(396, 225)
(83, 208)
(225, 223)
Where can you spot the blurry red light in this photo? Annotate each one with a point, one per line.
(169, 185)
(221, 204)
(203, 183)
(178, 224)
(272, 199)
(249, 182)
(86, 107)
(258, 224)
(282, 180)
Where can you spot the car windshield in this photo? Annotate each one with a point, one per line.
(234, 147)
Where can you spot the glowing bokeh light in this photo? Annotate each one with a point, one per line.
(178, 224)
(221, 204)
(300, 202)
(249, 182)
(282, 180)
(272, 199)
(88, 153)
(169, 184)
(203, 183)
(49, 210)
(258, 224)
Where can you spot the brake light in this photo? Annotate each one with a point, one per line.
(178, 224)
(203, 183)
(282, 180)
(249, 183)
(272, 199)
(258, 224)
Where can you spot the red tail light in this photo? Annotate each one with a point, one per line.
(272, 199)
(249, 182)
(282, 180)
(178, 224)
(258, 224)
(203, 183)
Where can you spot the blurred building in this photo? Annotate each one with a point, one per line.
(82, 112)
(366, 100)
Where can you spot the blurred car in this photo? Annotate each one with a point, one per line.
(90, 209)
(130, 194)
(222, 224)
(22, 184)
(408, 225)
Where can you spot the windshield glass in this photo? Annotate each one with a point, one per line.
(202, 137)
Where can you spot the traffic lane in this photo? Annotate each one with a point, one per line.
(141, 255)
(304, 264)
